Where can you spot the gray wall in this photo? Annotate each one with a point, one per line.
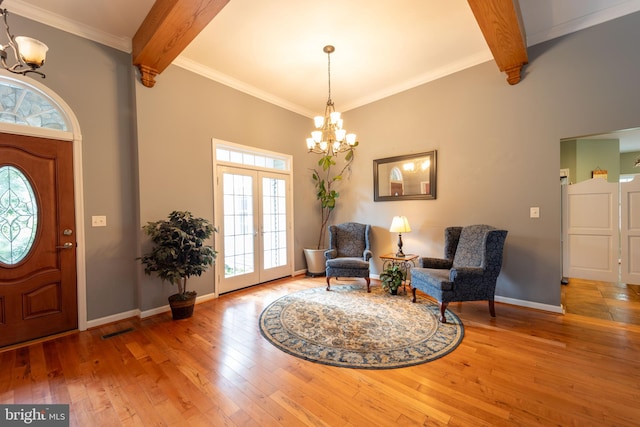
(499, 148)
(498, 152)
(177, 120)
(96, 81)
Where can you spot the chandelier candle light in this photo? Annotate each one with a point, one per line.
(29, 53)
(330, 137)
(400, 224)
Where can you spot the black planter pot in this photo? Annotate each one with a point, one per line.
(394, 291)
(182, 305)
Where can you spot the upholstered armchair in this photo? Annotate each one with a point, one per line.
(349, 252)
(469, 270)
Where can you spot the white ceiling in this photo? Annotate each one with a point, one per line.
(273, 49)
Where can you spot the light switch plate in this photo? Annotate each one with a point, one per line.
(99, 221)
(534, 212)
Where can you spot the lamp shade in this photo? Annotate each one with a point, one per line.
(400, 224)
(33, 52)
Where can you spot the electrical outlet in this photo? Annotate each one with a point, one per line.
(99, 221)
(534, 212)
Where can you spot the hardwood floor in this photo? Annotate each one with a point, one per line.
(524, 367)
(603, 300)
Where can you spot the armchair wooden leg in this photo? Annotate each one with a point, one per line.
(328, 284)
(492, 308)
(443, 308)
(368, 284)
(414, 295)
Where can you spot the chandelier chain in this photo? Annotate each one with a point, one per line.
(330, 137)
(329, 75)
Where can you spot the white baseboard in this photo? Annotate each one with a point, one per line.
(113, 318)
(141, 314)
(208, 297)
(530, 304)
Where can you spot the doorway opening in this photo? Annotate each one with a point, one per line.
(600, 233)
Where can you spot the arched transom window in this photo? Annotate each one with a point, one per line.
(21, 105)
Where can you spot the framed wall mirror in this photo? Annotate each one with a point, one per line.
(410, 177)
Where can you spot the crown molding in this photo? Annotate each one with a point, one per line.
(46, 17)
(583, 22)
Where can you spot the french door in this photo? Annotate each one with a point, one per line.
(254, 225)
(38, 295)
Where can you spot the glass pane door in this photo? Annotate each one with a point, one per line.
(238, 228)
(275, 220)
(252, 214)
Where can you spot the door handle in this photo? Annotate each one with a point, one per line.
(67, 245)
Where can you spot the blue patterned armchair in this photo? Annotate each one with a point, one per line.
(468, 271)
(349, 253)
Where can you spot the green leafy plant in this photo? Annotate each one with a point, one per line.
(324, 182)
(178, 249)
(392, 278)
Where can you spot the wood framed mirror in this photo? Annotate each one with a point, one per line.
(408, 177)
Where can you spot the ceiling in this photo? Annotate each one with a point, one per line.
(273, 49)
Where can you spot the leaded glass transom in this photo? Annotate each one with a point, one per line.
(18, 215)
(22, 105)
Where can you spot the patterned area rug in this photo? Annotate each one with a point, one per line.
(350, 328)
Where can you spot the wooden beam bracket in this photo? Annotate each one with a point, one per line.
(501, 24)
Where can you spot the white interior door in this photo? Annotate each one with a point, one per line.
(253, 218)
(591, 233)
(630, 231)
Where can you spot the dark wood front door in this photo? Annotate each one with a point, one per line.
(38, 295)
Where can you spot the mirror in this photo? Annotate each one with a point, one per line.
(410, 177)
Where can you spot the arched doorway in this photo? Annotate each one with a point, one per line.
(34, 120)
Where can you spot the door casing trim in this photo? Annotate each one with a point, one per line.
(75, 136)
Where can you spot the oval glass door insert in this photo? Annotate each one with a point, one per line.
(18, 215)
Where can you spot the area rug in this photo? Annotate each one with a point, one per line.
(351, 328)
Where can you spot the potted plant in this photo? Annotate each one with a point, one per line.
(392, 278)
(178, 253)
(323, 181)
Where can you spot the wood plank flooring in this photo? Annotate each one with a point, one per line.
(522, 368)
(603, 300)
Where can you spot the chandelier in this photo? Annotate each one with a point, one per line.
(637, 165)
(29, 53)
(330, 137)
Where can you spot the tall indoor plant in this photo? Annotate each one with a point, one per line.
(324, 181)
(179, 252)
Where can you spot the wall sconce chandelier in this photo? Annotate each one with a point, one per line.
(29, 53)
(330, 137)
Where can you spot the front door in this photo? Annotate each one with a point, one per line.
(38, 295)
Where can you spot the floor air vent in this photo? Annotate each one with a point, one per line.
(116, 333)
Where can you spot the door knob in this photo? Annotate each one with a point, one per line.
(67, 245)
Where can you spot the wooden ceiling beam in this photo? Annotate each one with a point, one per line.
(501, 24)
(167, 30)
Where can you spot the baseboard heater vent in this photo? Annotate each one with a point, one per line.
(116, 333)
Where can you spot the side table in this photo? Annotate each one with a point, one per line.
(405, 263)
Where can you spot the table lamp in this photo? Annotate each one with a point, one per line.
(400, 225)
